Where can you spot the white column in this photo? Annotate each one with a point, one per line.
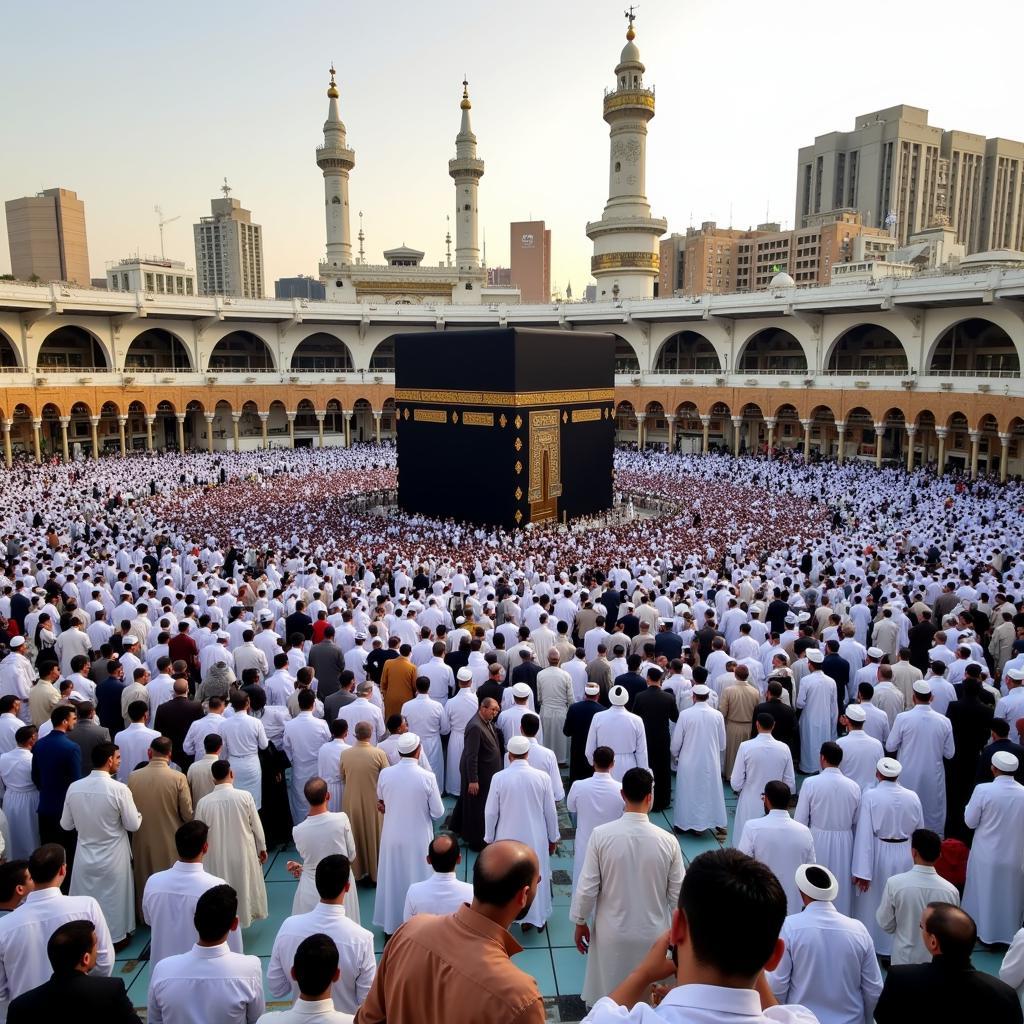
(8, 453)
(737, 422)
(347, 433)
(376, 426)
(236, 418)
(941, 433)
(671, 421)
(911, 431)
(641, 432)
(208, 416)
(150, 420)
(180, 418)
(841, 441)
(770, 422)
(37, 447)
(1004, 456)
(705, 422)
(94, 422)
(975, 436)
(321, 415)
(264, 418)
(290, 416)
(122, 422)
(807, 424)
(879, 431)
(64, 423)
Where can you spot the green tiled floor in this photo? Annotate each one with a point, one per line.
(551, 957)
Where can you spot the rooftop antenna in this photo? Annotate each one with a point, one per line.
(448, 238)
(485, 247)
(361, 238)
(226, 188)
(630, 15)
(161, 222)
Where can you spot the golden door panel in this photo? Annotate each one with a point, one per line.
(545, 484)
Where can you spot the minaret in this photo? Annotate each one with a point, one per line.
(625, 261)
(466, 171)
(335, 159)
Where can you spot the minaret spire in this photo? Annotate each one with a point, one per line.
(335, 159)
(466, 170)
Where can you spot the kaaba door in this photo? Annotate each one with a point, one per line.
(545, 465)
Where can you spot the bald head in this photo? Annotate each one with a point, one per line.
(180, 687)
(505, 878)
(553, 656)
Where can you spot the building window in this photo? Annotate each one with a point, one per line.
(149, 282)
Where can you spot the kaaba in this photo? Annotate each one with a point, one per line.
(505, 426)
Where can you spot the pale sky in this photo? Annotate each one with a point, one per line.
(136, 105)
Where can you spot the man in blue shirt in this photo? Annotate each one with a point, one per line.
(108, 698)
(56, 763)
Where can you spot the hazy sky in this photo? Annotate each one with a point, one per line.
(133, 105)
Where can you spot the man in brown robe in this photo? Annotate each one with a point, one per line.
(398, 682)
(481, 760)
(738, 702)
(361, 765)
(163, 798)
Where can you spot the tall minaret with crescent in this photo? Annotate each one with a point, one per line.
(335, 159)
(625, 260)
(466, 170)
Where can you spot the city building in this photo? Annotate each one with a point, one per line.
(47, 239)
(499, 277)
(530, 245)
(152, 274)
(902, 174)
(229, 250)
(625, 260)
(301, 287)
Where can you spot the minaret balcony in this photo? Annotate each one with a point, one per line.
(631, 100)
(466, 167)
(335, 158)
(618, 225)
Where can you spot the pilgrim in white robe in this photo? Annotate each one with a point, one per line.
(828, 806)
(544, 759)
(554, 689)
(624, 733)
(458, 713)
(994, 893)
(425, 717)
(903, 901)
(236, 840)
(594, 801)
(304, 735)
(888, 815)
(244, 737)
(861, 752)
(628, 889)
(759, 761)
(521, 806)
(698, 742)
(783, 844)
(319, 836)
(920, 739)
(412, 802)
(328, 767)
(817, 700)
(441, 893)
(104, 812)
(21, 802)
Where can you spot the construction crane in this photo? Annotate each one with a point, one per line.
(161, 222)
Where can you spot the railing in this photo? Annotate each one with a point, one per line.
(887, 372)
(973, 373)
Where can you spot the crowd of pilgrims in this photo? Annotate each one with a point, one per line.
(208, 657)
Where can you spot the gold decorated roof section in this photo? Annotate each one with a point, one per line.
(507, 399)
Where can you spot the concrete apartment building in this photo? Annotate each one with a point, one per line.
(47, 239)
(229, 250)
(905, 175)
(153, 274)
(530, 244)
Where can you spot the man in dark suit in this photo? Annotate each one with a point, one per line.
(493, 688)
(657, 709)
(666, 642)
(526, 672)
(481, 760)
(87, 733)
(343, 696)
(835, 667)
(920, 640)
(298, 622)
(1000, 732)
(72, 991)
(327, 663)
(631, 680)
(577, 728)
(776, 612)
(56, 763)
(949, 988)
(630, 622)
(173, 719)
(785, 730)
(971, 718)
(108, 699)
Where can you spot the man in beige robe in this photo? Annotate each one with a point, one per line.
(162, 796)
(200, 775)
(238, 846)
(360, 767)
(739, 700)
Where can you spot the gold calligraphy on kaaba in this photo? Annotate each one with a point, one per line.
(545, 457)
(478, 419)
(585, 415)
(503, 399)
(430, 415)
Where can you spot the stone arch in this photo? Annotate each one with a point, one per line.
(939, 322)
(382, 360)
(10, 358)
(789, 431)
(158, 349)
(362, 426)
(49, 431)
(772, 350)
(687, 352)
(73, 349)
(322, 352)
(688, 427)
(974, 347)
(867, 348)
(627, 358)
(626, 424)
(239, 352)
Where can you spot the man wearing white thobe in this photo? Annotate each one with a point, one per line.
(861, 752)
(17, 675)
(212, 721)
(441, 892)
(410, 801)
(458, 713)
(779, 841)
(817, 699)
(887, 818)
(24, 932)
(21, 798)
(758, 762)
(594, 801)
(921, 739)
(521, 806)
(328, 762)
(828, 805)
(304, 735)
(133, 743)
(442, 681)
(628, 887)
(425, 717)
(907, 894)
(698, 745)
(362, 710)
(994, 893)
(170, 897)
(555, 695)
(103, 812)
(511, 716)
(244, 737)
(540, 757)
(622, 731)
(324, 833)
(829, 962)
(356, 962)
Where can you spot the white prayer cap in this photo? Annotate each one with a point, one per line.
(821, 885)
(521, 690)
(664, 622)
(464, 675)
(130, 640)
(803, 617)
(360, 635)
(682, 608)
(1014, 673)
(815, 656)
(459, 621)
(855, 713)
(223, 635)
(408, 742)
(923, 687)
(876, 652)
(888, 767)
(16, 642)
(619, 696)
(591, 689)
(700, 690)
(791, 619)
(1005, 761)
(518, 746)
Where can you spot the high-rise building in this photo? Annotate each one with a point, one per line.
(300, 287)
(46, 236)
(499, 277)
(530, 244)
(152, 274)
(902, 174)
(229, 250)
